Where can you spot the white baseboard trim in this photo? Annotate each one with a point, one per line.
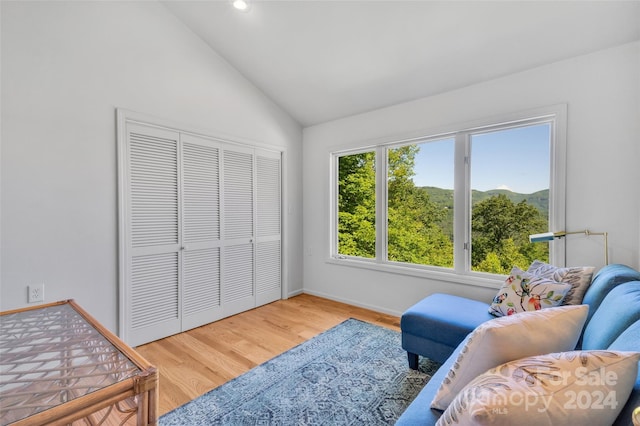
(352, 302)
(295, 293)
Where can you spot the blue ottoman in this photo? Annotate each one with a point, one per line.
(437, 324)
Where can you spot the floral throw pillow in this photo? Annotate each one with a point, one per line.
(567, 388)
(579, 277)
(523, 291)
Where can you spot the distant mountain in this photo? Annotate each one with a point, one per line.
(444, 197)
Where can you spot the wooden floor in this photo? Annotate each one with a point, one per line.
(199, 360)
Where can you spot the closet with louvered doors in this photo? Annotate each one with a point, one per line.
(200, 230)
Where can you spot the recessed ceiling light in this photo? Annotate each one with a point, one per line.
(241, 4)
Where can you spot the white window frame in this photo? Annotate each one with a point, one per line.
(461, 272)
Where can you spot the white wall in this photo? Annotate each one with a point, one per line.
(602, 93)
(66, 66)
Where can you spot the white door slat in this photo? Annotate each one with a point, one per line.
(154, 289)
(268, 270)
(269, 200)
(202, 280)
(238, 272)
(153, 188)
(201, 192)
(238, 194)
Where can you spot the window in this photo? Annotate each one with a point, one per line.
(510, 173)
(357, 205)
(420, 203)
(463, 202)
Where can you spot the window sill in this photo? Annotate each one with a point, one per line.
(473, 279)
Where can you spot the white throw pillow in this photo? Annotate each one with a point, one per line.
(508, 338)
(523, 292)
(576, 388)
(578, 276)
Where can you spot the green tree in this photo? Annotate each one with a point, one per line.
(357, 205)
(500, 234)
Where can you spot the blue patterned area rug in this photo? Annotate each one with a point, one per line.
(353, 374)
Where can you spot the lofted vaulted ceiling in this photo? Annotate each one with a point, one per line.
(322, 60)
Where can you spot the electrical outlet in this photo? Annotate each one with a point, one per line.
(36, 293)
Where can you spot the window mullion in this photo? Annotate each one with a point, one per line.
(381, 205)
(557, 185)
(461, 206)
(333, 220)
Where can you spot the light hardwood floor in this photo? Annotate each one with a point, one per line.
(201, 359)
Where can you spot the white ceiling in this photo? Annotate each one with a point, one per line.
(322, 60)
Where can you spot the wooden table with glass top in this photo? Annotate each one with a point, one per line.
(59, 366)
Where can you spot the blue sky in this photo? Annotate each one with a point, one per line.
(515, 159)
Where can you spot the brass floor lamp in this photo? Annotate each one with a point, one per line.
(548, 236)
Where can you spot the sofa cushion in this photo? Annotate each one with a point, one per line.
(603, 281)
(629, 340)
(619, 309)
(507, 338)
(578, 276)
(579, 387)
(523, 291)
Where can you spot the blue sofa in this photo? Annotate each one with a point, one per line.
(429, 330)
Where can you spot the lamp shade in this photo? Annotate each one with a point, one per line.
(537, 238)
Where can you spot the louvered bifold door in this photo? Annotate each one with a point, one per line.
(268, 227)
(152, 308)
(201, 232)
(238, 287)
